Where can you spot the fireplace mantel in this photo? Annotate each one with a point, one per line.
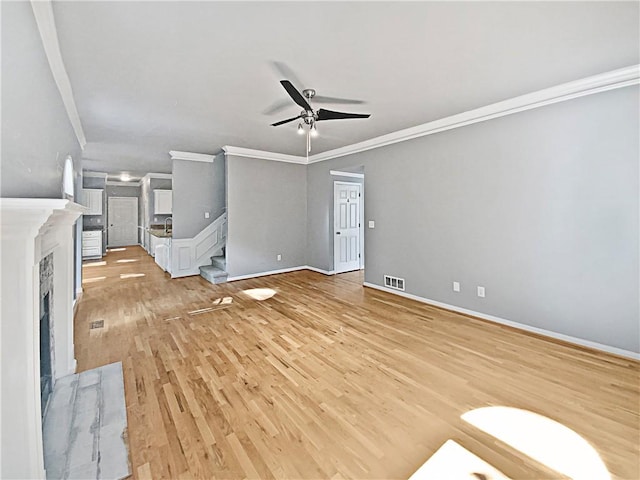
(31, 228)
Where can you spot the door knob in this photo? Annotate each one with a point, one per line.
(337, 233)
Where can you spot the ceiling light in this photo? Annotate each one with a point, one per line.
(313, 130)
(300, 129)
(125, 177)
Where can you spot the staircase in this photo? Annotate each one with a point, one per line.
(217, 271)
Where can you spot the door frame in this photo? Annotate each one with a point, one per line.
(137, 221)
(360, 221)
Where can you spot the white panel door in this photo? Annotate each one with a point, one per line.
(122, 221)
(346, 247)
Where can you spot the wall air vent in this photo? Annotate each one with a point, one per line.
(394, 282)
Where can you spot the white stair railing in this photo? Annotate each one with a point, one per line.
(189, 254)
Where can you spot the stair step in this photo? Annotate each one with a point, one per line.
(219, 262)
(213, 274)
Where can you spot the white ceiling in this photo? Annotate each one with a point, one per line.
(149, 77)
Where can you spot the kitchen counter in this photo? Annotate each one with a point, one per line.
(160, 233)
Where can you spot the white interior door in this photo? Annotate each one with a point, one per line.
(123, 221)
(346, 246)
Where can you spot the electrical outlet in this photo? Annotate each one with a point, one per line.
(456, 286)
(99, 220)
(372, 224)
(481, 292)
(155, 219)
(206, 214)
(279, 257)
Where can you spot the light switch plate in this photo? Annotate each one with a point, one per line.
(206, 214)
(456, 286)
(372, 224)
(481, 292)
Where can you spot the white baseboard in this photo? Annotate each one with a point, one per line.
(510, 323)
(319, 270)
(264, 274)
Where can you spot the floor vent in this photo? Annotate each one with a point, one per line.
(394, 282)
(98, 324)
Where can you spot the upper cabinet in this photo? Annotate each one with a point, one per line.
(92, 199)
(162, 202)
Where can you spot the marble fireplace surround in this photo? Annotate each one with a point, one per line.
(31, 229)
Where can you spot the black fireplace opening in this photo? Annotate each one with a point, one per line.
(46, 385)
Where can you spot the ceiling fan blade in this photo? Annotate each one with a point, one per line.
(341, 101)
(331, 115)
(282, 122)
(295, 94)
(284, 71)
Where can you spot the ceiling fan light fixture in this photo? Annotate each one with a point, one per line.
(313, 130)
(300, 129)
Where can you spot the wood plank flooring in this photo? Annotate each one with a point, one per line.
(327, 379)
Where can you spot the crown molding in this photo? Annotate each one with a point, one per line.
(603, 82)
(338, 173)
(262, 155)
(192, 157)
(149, 176)
(114, 183)
(87, 174)
(43, 12)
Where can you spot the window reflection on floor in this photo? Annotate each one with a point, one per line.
(546, 441)
(454, 462)
(543, 440)
(260, 294)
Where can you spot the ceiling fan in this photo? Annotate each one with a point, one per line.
(308, 116)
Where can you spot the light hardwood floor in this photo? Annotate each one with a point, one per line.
(327, 379)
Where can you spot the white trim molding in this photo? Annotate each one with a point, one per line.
(338, 173)
(620, 78)
(264, 274)
(43, 12)
(319, 270)
(89, 174)
(192, 157)
(262, 155)
(113, 183)
(520, 326)
(149, 176)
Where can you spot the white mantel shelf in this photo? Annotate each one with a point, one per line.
(30, 229)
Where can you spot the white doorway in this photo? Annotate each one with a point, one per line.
(122, 221)
(347, 212)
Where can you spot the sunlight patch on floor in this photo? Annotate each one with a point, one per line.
(94, 264)
(131, 275)
(223, 301)
(93, 280)
(260, 294)
(127, 260)
(454, 462)
(544, 440)
(116, 249)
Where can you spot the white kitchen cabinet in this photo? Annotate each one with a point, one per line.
(92, 244)
(162, 202)
(92, 199)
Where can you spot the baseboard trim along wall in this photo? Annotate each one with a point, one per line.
(319, 270)
(520, 326)
(264, 274)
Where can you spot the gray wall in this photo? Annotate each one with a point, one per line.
(267, 215)
(540, 207)
(198, 187)
(36, 132)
